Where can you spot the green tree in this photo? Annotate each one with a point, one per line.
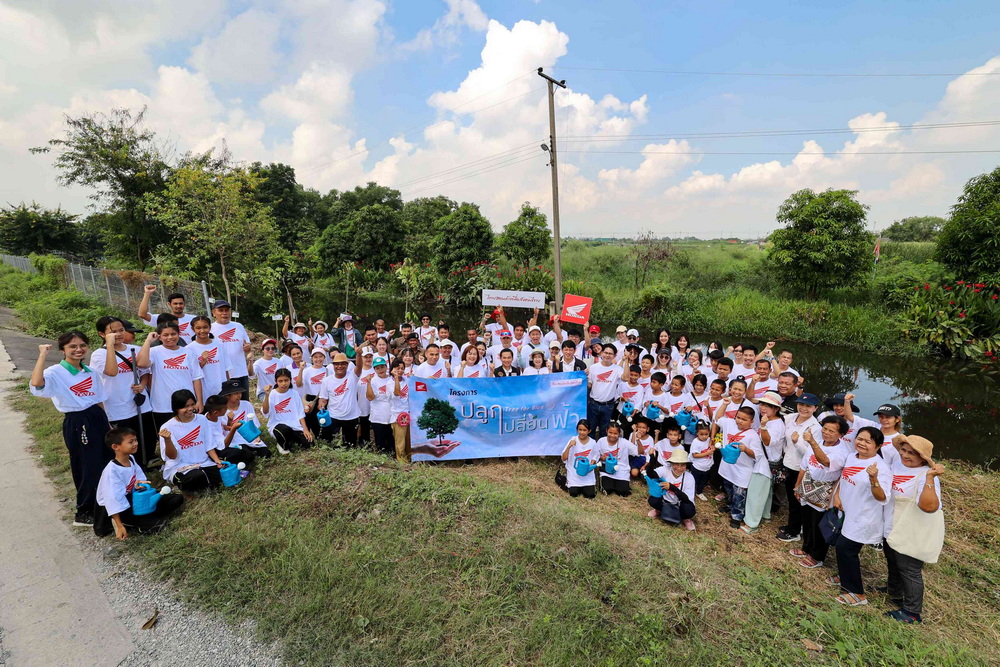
(420, 216)
(824, 243)
(372, 235)
(914, 228)
(121, 160)
(969, 243)
(31, 229)
(526, 239)
(438, 419)
(342, 204)
(461, 238)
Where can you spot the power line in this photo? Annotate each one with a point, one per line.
(817, 75)
(471, 175)
(694, 153)
(532, 147)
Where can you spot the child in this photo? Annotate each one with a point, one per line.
(263, 369)
(716, 391)
(737, 399)
(187, 446)
(612, 444)
(378, 392)
(114, 492)
(173, 368)
(671, 442)
(580, 446)
(646, 370)
(738, 432)
(223, 432)
(286, 417)
(678, 485)
(213, 362)
(702, 453)
(643, 442)
(629, 390)
(239, 412)
(400, 404)
(657, 397)
(678, 399)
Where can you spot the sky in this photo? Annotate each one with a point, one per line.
(684, 119)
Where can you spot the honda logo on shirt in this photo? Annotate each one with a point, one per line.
(339, 391)
(437, 375)
(420, 386)
(191, 439)
(124, 367)
(227, 336)
(176, 363)
(405, 391)
(899, 480)
(382, 389)
(849, 474)
(270, 369)
(184, 326)
(131, 484)
(83, 388)
(603, 377)
(317, 379)
(282, 407)
(212, 354)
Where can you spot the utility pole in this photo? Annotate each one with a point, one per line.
(555, 183)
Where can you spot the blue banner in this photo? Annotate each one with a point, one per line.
(473, 418)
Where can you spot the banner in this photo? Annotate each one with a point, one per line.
(576, 309)
(472, 418)
(513, 299)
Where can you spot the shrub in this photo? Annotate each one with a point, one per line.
(53, 269)
(961, 320)
(49, 314)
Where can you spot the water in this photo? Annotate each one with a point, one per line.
(952, 404)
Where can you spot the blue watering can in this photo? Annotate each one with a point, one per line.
(323, 416)
(730, 453)
(231, 474)
(145, 498)
(687, 420)
(610, 464)
(249, 431)
(583, 466)
(655, 490)
(653, 411)
(628, 408)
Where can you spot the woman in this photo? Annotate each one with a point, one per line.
(382, 351)
(682, 350)
(819, 470)
(661, 343)
(736, 354)
(795, 448)
(915, 481)
(408, 359)
(862, 492)
(473, 365)
(379, 391)
(664, 363)
(190, 461)
(536, 364)
(772, 436)
(890, 423)
(694, 360)
(173, 368)
(211, 359)
(78, 393)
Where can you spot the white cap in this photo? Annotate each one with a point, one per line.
(632, 332)
(365, 351)
(534, 327)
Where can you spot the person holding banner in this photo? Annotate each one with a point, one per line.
(506, 368)
(582, 446)
(602, 380)
(400, 409)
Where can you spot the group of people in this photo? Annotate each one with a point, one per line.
(675, 417)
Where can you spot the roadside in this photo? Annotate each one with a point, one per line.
(69, 598)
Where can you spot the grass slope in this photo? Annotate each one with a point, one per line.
(351, 558)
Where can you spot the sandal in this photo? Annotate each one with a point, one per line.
(652, 514)
(810, 563)
(798, 553)
(851, 600)
(833, 581)
(748, 530)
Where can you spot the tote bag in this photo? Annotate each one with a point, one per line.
(916, 533)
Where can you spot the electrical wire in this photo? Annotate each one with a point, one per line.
(695, 153)
(533, 146)
(842, 75)
(471, 175)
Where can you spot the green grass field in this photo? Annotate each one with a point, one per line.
(351, 558)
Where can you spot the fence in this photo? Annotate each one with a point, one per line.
(124, 289)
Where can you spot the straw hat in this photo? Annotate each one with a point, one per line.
(678, 456)
(921, 446)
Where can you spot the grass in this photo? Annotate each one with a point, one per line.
(349, 557)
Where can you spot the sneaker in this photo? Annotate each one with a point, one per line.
(83, 520)
(281, 450)
(748, 530)
(877, 547)
(785, 537)
(689, 524)
(903, 617)
(797, 553)
(720, 496)
(734, 523)
(702, 496)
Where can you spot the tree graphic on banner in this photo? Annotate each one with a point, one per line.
(438, 419)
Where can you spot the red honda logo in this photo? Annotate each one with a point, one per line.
(227, 336)
(83, 388)
(420, 386)
(282, 407)
(176, 363)
(190, 439)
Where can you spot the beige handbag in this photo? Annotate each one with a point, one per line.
(916, 533)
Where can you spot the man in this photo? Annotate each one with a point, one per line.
(506, 343)
(556, 332)
(632, 338)
(370, 336)
(381, 332)
(434, 368)
(602, 381)
(533, 343)
(130, 331)
(426, 331)
(338, 394)
(397, 344)
(789, 390)
(232, 338)
(413, 344)
(493, 328)
(176, 303)
(747, 369)
(620, 342)
(346, 337)
(762, 381)
(784, 364)
(568, 361)
(471, 336)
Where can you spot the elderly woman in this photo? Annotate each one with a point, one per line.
(864, 489)
(915, 527)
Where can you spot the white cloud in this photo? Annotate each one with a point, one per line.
(244, 51)
(446, 30)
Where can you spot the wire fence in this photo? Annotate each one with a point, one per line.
(124, 289)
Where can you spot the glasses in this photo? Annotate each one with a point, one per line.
(270, 348)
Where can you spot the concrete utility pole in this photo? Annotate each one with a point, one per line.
(555, 183)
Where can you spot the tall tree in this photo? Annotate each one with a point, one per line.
(419, 217)
(914, 228)
(969, 243)
(461, 238)
(121, 160)
(526, 239)
(372, 235)
(26, 229)
(824, 243)
(347, 202)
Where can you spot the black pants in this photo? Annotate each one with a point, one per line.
(813, 542)
(236, 455)
(146, 524)
(657, 504)
(149, 442)
(620, 486)
(906, 580)
(384, 439)
(198, 479)
(849, 565)
(83, 433)
(795, 514)
(260, 452)
(346, 428)
(587, 491)
(364, 429)
(714, 478)
(290, 439)
(700, 479)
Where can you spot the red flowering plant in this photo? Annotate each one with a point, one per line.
(961, 320)
(466, 284)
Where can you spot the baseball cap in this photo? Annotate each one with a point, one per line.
(838, 399)
(269, 340)
(621, 329)
(379, 361)
(367, 352)
(889, 410)
(633, 332)
(221, 303)
(594, 329)
(534, 327)
(318, 350)
(129, 327)
(808, 399)
(506, 333)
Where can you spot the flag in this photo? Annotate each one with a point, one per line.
(878, 249)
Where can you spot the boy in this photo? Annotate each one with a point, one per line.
(239, 412)
(114, 491)
(656, 396)
(646, 370)
(738, 432)
(631, 391)
(702, 453)
(643, 442)
(222, 435)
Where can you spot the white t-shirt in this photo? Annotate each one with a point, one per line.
(821, 473)
(588, 449)
(341, 395)
(364, 407)
(642, 445)
(531, 370)
(524, 356)
(794, 451)
(664, 448)
(675, 404)
(302, 341)
(183, 325)
(381, 407)
(735, 406)
(776, 429)
(763, 386)
(71, 392)
(192, 440)
(244, 413)
(657, 399)
(493, 355)
(864, 519)
(312, 379)
(697, 447)
(626, 392)
(172, 370)
(117, 481)
(216, 368)
(685, 482)
(709, 408)
(425, 335)
(264, 371)
(231, 338)
(323, 340)
(908, 483)
(739, 473)
(621, 450)
(119, 403)
(480, 370)
(604, 381)
(284, 409)
(401, 403)
(432, 372)
(890, 454)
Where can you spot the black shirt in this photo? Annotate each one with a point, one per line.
(502, 372)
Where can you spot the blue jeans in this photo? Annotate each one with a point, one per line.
(599, 417)
(737, 499)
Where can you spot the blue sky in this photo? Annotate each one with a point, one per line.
(312, 83)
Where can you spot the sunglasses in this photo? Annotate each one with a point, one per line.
(270, 348)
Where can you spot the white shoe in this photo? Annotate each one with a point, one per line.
(702, 496)
(281, 450)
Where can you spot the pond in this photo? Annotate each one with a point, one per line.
(951, 403)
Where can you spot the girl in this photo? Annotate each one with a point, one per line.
(737, 399)
(473, 365)
(694, 361)
(760, 494)
(78, 393)
(286, 417)
(379, 391)
(580, 446)
(307, 383)
(891, 425)
(263, 369)
(400, 406)
(661, 343)
(186, 446)
(612, 444)
(536, 364)
(823, 465)
(173, 368)
(702, 453)
(239, 412)
(408, 359)
(213, 362)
